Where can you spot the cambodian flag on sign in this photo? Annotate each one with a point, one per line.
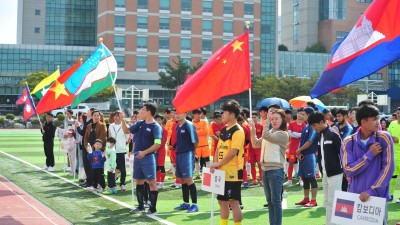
(372, 44)
(344, 208)
(26, 100)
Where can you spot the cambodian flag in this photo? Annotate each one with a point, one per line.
(344, 208)
(372, 44)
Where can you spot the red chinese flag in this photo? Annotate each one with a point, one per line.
(207, 179)
(226, 72)
(57, 95)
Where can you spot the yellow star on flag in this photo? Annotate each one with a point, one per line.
(237, 45)
(224, 62)
(59, 89)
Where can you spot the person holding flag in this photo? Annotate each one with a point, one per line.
(48, 132)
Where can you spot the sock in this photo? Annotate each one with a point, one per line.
(248, 168)
(392, 185)
(185, 193)
(317, 169)
(253, 173)
(208, 164)
(244, 175)
(223, 222)
(290, 172)
(153, 200)
(162, 177)
(296, 167)
(158, 176)
(197, 168)
(146, 192)
(260, 172)
(193, 193)
(139, 195)
(237, 223)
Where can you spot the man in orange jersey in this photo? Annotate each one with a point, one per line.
(202, 151)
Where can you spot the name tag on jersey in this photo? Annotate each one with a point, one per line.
(327, 142)
(148, 129)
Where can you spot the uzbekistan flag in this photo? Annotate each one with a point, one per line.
(26, 100)
(372, 44)
(344, 208)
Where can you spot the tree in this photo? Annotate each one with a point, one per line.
(282, 48)
(103, 96)
(318, 48)
(175, 74)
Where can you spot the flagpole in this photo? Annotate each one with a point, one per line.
(250, 103)
(34, 106)
(113, 81)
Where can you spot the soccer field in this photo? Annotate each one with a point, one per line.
(80, 206)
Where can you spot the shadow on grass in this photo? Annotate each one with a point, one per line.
(119, 216)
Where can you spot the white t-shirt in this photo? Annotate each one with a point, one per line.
(115, 131)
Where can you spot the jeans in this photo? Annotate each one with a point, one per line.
(273, 181)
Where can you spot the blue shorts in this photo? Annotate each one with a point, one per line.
(184, 164)
(307, 166)
(145, 168)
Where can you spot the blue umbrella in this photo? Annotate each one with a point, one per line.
(270, 101)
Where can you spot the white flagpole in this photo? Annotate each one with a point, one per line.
(250, 103)
(212, 208)
(116, 73)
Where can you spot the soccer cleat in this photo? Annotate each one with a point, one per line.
(287, 183)
(303, 202)
(50, 169)
(183, 206)
(311, 204)
(245, 185)
(137, 210)
(123, 188)
(193, 208)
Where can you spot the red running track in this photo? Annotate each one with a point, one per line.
(18, 207)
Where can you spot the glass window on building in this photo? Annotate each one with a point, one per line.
(141, 42)
(162, 62)
(142, 22)
(142, 4)
(248, 9)
(207, 45)
(186, 5)
(164, 4)
(186, 60)
(119, 41)
(163, 43)
(119, 21)
(207, 6)
(120, 3)
(340, 35)
(141, 62)
(37, 30)
(164, 23)
(228, 7)
(120, 61)
(37, 12)
(207, 25)
(375, 76)
(228, 27)
(185, 44)
(186, 24)
(295, 34)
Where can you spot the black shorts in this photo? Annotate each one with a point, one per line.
(232, 191)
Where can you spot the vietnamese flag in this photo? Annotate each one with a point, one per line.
(226, 72)
(57, 95)
(26, 100)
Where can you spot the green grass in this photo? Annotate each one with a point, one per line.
(82, 207)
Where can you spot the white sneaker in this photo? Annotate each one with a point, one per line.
(287, 183)
(123, 188)
(398, 200)
(99, 190)
(178, 186)
(50, 169)
(160, 186)
(45, 168)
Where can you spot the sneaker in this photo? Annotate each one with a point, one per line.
(311, 204)
(137, 210)
(45, 168)
(99, 190)
(296, 175)
(245, 185)
(160, 186)
(147, 204)
(193, 208)
(391, 198)
(303, 202)
(149, 212)
(183, 206)
(108, 192)
(115, 191)
(398, 200)
(50, 169)
(172, 185)
(178, 186)
(90, 188)
(123, 188)
(287, 183)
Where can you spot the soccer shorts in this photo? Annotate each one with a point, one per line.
(254, 155)
(184, 164)
(202, 152)
(161, 157)
(145, 168)
(232, 191)
(307, 166)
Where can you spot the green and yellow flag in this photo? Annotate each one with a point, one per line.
(42, 87)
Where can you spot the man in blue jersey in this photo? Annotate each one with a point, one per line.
(345, 129)
(148, 136)
(186, 143)
(306, 155)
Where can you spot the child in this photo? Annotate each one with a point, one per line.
(97, 159)
(68, 145)
(110, 165)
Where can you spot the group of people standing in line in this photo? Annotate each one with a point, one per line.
(351, 152)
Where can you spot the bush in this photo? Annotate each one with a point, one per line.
(19, 120)
(61, 117)
(2, 121)
(35, 121)
(57, 123)
(10, 116)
